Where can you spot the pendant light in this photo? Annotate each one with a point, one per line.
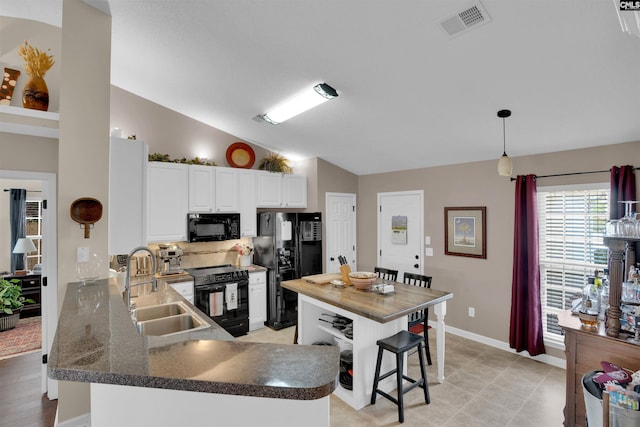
(504, 164)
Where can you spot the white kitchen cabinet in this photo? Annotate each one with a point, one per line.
(268, 190)
(275, 190)
(227, 185)
(294, 193)
(201, 188)
(167, 202)
(248, 218)
(257, 299)
(127, 194)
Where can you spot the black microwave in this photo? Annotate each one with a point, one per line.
(206, 227)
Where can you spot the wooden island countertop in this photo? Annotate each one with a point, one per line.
(379, 307)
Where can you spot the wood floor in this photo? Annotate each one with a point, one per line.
(21, 401)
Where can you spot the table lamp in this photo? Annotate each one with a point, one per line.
(23, 246)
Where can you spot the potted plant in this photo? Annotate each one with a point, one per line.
(11, 302)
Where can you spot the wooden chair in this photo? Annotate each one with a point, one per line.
(419, 321)
(386, 274)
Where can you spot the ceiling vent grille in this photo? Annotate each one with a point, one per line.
(465, 20)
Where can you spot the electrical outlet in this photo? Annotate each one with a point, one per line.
(472, 312)
(83, 254)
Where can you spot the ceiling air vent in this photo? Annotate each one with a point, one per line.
(465, 20)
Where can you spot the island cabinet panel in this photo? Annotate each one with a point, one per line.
(144, 406)
(366, 333)
(167, 202)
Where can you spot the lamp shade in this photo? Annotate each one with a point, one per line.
(505, 167)
(24, 245)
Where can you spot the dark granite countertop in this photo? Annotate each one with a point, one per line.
(96, 341)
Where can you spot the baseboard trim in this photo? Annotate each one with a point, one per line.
(81, 421)
(545, 358)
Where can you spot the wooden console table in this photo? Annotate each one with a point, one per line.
(584, 351)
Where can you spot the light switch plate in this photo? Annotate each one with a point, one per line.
(427, 240)
(428, 251)
(83, 254)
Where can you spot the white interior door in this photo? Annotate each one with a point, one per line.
(400, 231)
(49, 293)
(340, 236)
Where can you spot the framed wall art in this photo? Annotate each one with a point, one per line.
(465, 231)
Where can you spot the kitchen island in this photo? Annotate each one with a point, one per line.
(374, 316)
(195, 377)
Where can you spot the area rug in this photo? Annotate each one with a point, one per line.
(24, 338)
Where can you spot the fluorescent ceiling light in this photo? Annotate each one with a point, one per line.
(300, 103)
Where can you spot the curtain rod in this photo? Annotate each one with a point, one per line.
(28, 191)
(571, 173)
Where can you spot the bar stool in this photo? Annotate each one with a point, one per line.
(399, 344)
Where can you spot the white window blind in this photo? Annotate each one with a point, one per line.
(34, 231)
(571, 228)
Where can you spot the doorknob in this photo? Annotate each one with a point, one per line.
(417, 256)
(332, 259)
(416, 265)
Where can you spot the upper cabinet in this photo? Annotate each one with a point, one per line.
(294, 191)
(167, 202)
(201, 188)
(277, 190)
(248, 218)
(127, 194)
(227, 193)
(269, 190)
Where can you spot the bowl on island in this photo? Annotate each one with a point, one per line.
(362, 279)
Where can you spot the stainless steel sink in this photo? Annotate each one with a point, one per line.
(167, 319)
(170, 325)
(143, 314)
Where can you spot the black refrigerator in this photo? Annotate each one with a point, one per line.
(289, 245)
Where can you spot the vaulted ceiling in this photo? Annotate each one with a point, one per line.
(410, 95)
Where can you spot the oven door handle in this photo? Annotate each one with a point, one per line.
(210, 287)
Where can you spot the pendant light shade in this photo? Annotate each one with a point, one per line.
(505, 167)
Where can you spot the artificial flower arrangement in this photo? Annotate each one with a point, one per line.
(243, 250)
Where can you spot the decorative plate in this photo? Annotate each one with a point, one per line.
(240, 155)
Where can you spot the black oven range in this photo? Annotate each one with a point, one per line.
(222, 293)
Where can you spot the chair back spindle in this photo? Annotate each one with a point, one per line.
(386, 273)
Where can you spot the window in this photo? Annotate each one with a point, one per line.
(34, 232)
(571, 226)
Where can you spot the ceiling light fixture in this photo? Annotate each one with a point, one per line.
(300, 103)
(629, 17)
(505, 167)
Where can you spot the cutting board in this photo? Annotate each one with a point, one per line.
(320, 279)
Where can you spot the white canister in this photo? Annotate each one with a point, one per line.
(245, 260)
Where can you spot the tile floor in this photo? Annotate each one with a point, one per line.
(484, 386)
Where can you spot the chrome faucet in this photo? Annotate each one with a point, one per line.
(127, 284)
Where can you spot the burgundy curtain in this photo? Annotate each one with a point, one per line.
(623, 187)
(526, 308)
